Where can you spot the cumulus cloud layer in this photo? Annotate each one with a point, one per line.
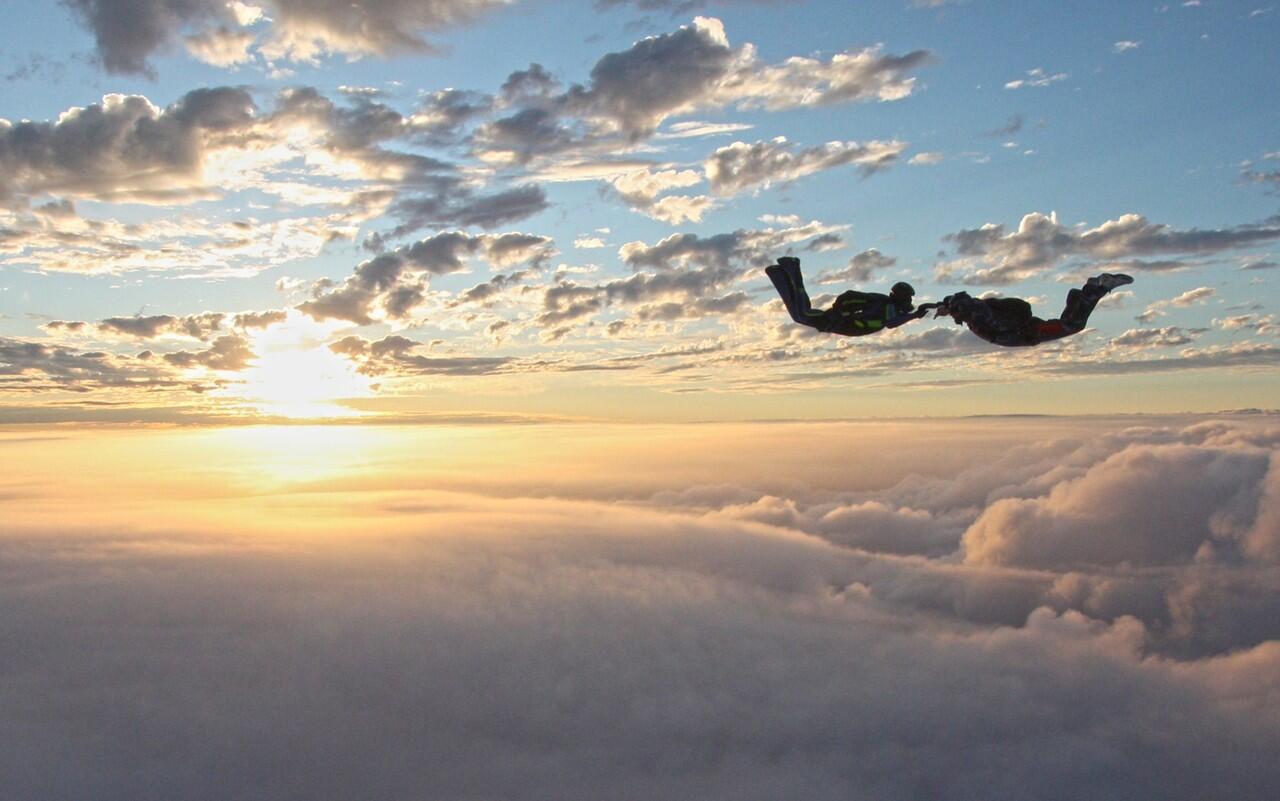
(583, 626)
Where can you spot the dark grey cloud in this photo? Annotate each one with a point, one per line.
(567, 301)
(392, 284)
(457, 205)
(1041, 243)
(123, 148)
(860, 268)
(260, 319)
(631, 92)
(395, 356)
(743, 247)
(358, 131)
(27, 366)
(488, 290)
(534, 83)
(672, 294)
(529, 133)
(740, 166)
(128, 33)
(444, 114)
(687, 277)
(825, 242)
(1011, 127)
(230, 352)
(196, 326)
(659, 75)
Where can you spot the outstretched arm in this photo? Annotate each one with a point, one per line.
(902, 319)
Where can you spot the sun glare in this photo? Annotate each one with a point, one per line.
(296, 376)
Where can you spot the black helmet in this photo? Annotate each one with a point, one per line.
(902, 288)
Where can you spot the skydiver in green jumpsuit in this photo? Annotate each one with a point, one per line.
(854, 313)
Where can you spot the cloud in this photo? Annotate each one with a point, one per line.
(261, 319)
(1042, 242)
(558, 627)
(394, 356)
(755, 247)
(391, 285)
(123, 148)
(186, 244)
(1193, 296)
(195, 326)
(442, 115)
(459, 206)
(231, 352)
(1037, 77)
(1262, 177)
(221, 47)
(1169, 336)
(1208, 499)
(129, 33)
(926, 158)
(692, 128)
(680, 6)
(34, 367)
(677, 209)
(488, 290)
(660, 75)
(631, 93)
(852, 76)
(1258, 324)
(640, 189)
(740, 166)
(1125, 45)
(1011, 127)
(860, 268)
(671, 294)
(1244, 355)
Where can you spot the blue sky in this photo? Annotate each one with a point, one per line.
(1095, 112)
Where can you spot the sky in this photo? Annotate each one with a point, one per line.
(217, 211)
(1008, 608)
(393, 404)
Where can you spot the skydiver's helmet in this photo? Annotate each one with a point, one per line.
(959, 306)
(901, 295)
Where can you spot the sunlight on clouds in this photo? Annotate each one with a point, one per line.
(296, 375)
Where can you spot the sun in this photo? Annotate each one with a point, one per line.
(296, 375)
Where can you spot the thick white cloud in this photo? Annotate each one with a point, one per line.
(543, 631)
(1208, 499)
